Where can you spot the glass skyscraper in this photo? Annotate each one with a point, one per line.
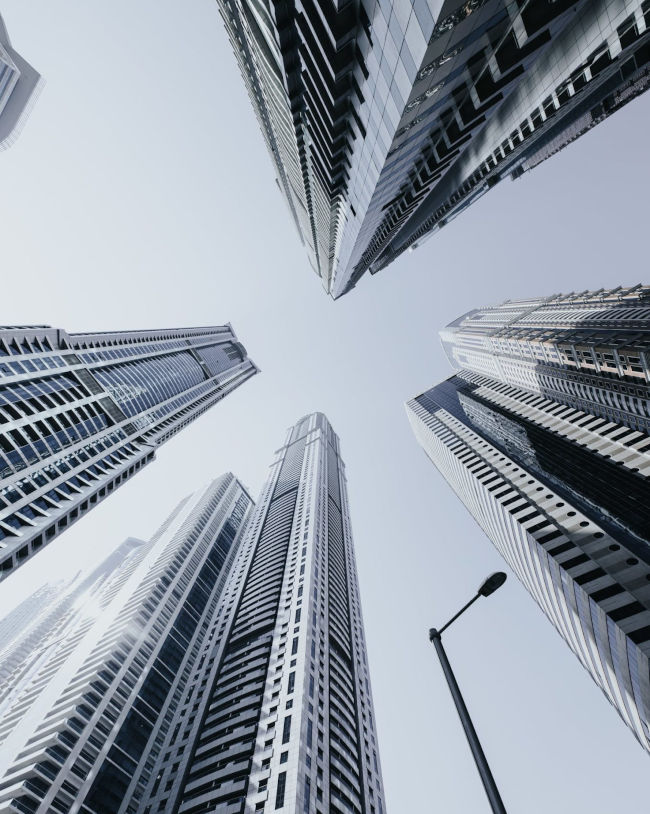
(385, 120)
(221, 667)
(542, 433)
(81, 413)
(20, 85)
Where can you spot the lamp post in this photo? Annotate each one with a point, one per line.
(491, 584)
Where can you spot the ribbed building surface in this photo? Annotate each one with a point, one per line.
(28, 615)
(589, 350)
(19, 88)
(220, 667)
(560, 489)
(279, 716)
(100, 691)
(385, 120)
(65, 609)
(81, 413)
(520, 81)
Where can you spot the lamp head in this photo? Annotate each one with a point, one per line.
(492, 583)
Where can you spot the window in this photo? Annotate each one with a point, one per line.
(307, 795)
(286, 731)
(282, 782)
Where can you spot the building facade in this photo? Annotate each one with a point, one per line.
(280, 716)
(385, 120)
(80, 714)
(590, 351)
(560, 490)
(36, 618)
(221, 667)
(81, 413)
(20, 85)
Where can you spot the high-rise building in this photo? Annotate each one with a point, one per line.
(77, 718)
(34, 631)
(81, 413)
(20, 85)
(227, 674)
(589, 350)
(385, 120)
(279, 716)
(560, 489)
(25, 627)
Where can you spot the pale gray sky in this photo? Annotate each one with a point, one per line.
(140, 195)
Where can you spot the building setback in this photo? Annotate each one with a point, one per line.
(561, 491)
(227, 671)
(385, 120)
(90, 694)
(81, 413)
(20, 85)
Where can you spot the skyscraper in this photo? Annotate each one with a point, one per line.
(25, 627)
(77, 719)
(81, 413)
(280, 714)
(227, 671)
(588, 350)
(385, 120)
(19, 88)
(561, 490)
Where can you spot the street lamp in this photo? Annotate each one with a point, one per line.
(491, 584)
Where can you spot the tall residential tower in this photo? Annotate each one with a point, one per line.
(543, 434)
(80, 712)
(385, 120)
(81, 413)
(589, 350)
(19, 88)
(221, 668)
(280, 716)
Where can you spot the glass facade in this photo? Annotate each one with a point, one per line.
(385, 120)
(81, 413)
(503, 86)
(560, 490)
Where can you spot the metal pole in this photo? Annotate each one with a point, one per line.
(461, 611)
(472, 738)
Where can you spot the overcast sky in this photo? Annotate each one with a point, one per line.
(140, 195)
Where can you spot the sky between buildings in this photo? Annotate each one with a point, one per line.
(140, 195)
